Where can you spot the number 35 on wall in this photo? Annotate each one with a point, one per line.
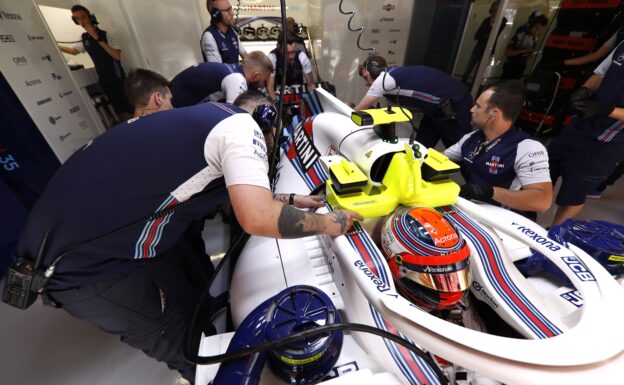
(8, 162)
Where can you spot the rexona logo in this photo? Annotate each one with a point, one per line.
(10, 16)
(44, 101)
(550, 245)
(74, 109)
(381, 286)
(578, 268)
(33, 82)
(7, 39)
(307, 153)
(20, 60)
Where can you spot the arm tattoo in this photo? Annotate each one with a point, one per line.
(293, 223)
(281, 197)
(340, 218)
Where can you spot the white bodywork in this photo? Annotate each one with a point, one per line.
(569, 340)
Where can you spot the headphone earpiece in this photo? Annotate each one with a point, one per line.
(216, 16)
(92, 17)
(75, 20)
(266, 117)
(372, 67)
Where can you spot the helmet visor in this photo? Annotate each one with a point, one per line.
(453, 277)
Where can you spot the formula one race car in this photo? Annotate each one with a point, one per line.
(388, 303)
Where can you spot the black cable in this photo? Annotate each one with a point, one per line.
(272, 345)
(360, 30)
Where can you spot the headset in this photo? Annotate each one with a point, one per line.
(535, 17)
(372, 66)
(77, 8)
(216, 16)
(266, 117)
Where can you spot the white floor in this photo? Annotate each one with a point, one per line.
(45, 346)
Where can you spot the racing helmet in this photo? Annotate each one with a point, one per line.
(428, 257)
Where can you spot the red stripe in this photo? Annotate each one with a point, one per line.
(152, 233)
(314, 177)
(448, 259)
(583, 4)
(364, 253)
(408, 358)
(497, 273)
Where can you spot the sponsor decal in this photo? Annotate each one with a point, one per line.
(44, 101)
(393, 41)
(20, 60)
(550, 245)
(394, 30)
(578, 268)
(388, 7)
(64, 136)
(438, 269)
(445, 238)
(63, 94)
(480, 290)
(56, 77)
(574, 297)
(7, 39)
(386, 19)
(54, 119)
(35, 37)
(537, 153)
(494, 164)
(10, 16)
(46, 57)
(259, 143)
(306, 152)
(381, 286)
(391, 53)
(261, 155)
(74, 109)
(375, 30)
(620, 58)
(33, 82)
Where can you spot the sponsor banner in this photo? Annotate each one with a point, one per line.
(39, 77)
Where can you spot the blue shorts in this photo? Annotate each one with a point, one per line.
(582, 163)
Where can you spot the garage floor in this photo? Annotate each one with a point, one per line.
(44, 346)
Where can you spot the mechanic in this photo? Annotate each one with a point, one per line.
(131, 282)
(106, 58)
(219, 42)
(501, 164)
(293, 28)
(587, 149)
(220, 82)
(523, 44)
(148, 92)
(444, 100)
(299, 70)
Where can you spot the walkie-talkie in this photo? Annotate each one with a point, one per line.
(24, 280)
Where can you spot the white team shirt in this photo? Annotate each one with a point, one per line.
(211, 50)
(303, 59)
(237, 150)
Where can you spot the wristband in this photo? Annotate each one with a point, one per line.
(291, 199)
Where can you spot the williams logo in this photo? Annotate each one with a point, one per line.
(56, 77)
(44, 101)
(388, 7)
(46, 57)
(74, 109)
(20, 60)
(64, 136)
(306, 152)
(63, 94)
(53, 119)
(31, 37)
(10, 16)
(7, 39)
(34, 82)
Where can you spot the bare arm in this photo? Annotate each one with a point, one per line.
(366, 102)
(113, 52)
(532, 197)
(271, 87)
(618, 113)
(309, 80)
(514, 52)
(259, 214)
(69, 50)
(593, 82)
(590, 57)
